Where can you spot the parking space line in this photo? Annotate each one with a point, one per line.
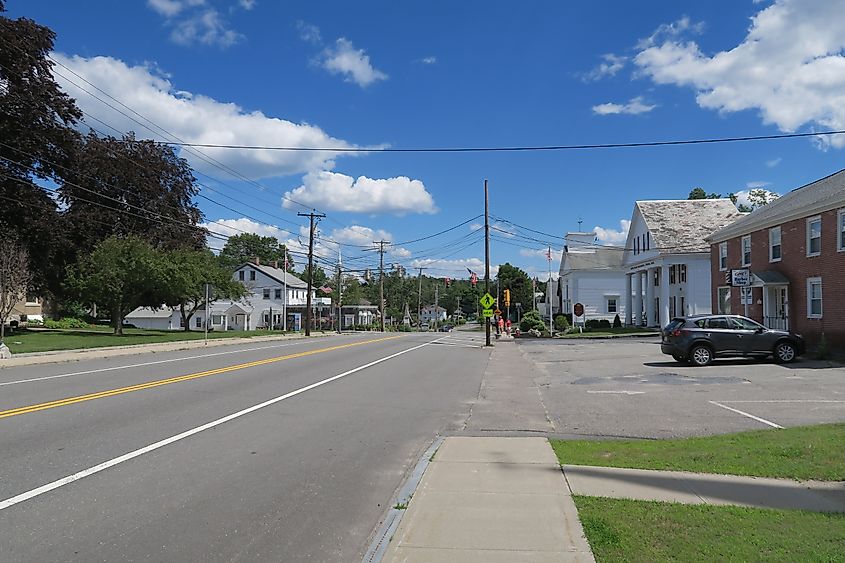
(751, 416)
(790, 401)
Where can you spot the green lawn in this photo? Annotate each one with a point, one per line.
(630, 530)
(47, 340)
(806, 452)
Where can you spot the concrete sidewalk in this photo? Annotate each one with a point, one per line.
(490, 500)
(701, 488)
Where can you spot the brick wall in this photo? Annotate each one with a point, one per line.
(797, 267)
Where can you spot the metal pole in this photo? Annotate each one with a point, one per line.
(419, 304)
(339, 293)
(206, 315)
(436, 306)
(285, 284)
(486, 258)
(549, 295)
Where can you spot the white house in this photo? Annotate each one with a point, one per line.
(273, 295)
(430, 313)
(592, 275)
(667, 259)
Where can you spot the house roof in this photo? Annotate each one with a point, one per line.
(682, 225)
(810, 199)
(599, 259)
(148, 313)
(278, 274)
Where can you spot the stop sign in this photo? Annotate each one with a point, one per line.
(578, 310)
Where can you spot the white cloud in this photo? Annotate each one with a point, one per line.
(612, 236)
(198, 119)
(247, 4)
(232, 227)
(611, 65)
(742, 196)
(773, 162)
(456, 268)
(207, 28)
(354, 64)
(365, 237)
(542, 253)
(429, 60)
(170, 8)
(338, 192)
(756, 185)
(309, 32)
(672, 30)
(790, 67)
(634, 107)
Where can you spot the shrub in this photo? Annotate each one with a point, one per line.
(561, 323)
(34, 322)
(531, 321)
(68, 322)
(617, 322)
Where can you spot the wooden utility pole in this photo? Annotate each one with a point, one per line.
(486, 257)
(419, 302)
(381, 244)
(339, 292)
(308, 315)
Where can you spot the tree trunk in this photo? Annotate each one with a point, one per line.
(117, 321)
(186, 318)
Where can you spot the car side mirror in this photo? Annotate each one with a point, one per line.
(760, 330)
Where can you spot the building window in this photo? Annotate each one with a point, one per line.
(199, 322)
(841, 223)
(746, 250)
(241, 275)
(217, 319)
(746, 296)
(612, 305)
(814, 236)
(682, 273)
(723, 256)
(724, 301)
(648, 241)
(657, 277)
(814, 298)
(774, 244)
(672, 274)
(278, 293)
(252, 275)
(637, 245)
(266, 293)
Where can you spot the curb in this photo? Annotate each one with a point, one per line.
(385, 531)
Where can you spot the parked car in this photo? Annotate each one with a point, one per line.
(446, 328)
(424, 327)
(699, 339)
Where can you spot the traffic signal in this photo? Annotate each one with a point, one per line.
(507, 297)
(448, 282)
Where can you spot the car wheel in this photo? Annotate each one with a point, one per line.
(680, 359)
(701, 355)
(784, 352)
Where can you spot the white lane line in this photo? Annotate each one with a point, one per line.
(790, 401)
(167, 441)
(616, 392)
(59, 376)
(751, 416)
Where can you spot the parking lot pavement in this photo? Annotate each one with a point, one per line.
(628, 388)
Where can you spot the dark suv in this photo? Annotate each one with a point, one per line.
(701, 338)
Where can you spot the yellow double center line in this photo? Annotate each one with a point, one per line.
(160, 382)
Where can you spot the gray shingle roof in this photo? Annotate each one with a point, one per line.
(600, 259)
(280, 276)
(681, 225)
(816, 197)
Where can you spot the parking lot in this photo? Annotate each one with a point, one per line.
(628, 388)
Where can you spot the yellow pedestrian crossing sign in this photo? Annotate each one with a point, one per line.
(487, 301)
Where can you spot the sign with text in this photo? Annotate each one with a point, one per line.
(578, 310)
(487, 313)
(741, 278)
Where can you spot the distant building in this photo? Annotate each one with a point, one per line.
(794, 249)
(593, 275)
(431, 313)
(667, 259)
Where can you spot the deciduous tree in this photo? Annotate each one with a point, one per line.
(244, 247)
(15, 279)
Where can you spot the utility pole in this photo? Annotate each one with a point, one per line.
(381, 244)
(486, 257)
(436, 305)
(308, 315)
(419, 303)
(206, 315)
(549, 294)
(285, 300)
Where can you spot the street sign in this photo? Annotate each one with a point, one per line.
(578, 310)
(498, 312)
(487, 313)
(487, 301)
(740, 278)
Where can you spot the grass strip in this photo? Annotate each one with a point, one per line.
(804, 452)
(631, 530)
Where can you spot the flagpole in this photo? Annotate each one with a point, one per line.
(285, 301)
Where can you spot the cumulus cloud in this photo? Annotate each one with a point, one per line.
(634, 107)
(429, 60)
(613, 236)
(223, 228)
(309, 33)
(773, 162)
(456, 268)
(170, 8)
(338, 192)
(789, 67)
(193, 21)
(670, 31)
(610, 65)
(353, 64)
(364, 237)
(247, 4)
(197, 119)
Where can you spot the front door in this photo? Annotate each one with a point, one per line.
(776, 315)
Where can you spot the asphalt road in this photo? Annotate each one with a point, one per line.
(241, 453)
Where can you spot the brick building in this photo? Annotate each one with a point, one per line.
(794, 249)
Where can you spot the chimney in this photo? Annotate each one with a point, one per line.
(276, 264)
(256, 260)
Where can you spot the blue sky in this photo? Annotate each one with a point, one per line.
(434, 74)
